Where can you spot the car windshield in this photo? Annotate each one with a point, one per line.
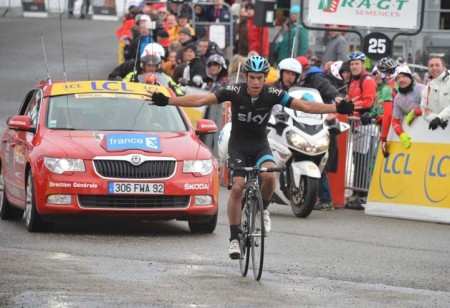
(111, 111)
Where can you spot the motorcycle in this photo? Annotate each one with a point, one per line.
(299, 142)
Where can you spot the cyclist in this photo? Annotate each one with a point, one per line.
(251, 105)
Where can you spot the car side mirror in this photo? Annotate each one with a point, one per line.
(205, 126)
(20, 122)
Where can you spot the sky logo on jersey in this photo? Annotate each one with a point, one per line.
(122, 142)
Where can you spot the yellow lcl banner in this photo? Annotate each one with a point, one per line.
(417, 176)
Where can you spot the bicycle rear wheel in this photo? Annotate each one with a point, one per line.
(257, 234)
(244, 239)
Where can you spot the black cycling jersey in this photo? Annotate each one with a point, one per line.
(249, 119)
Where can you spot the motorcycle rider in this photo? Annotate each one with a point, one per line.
(289, 71)
(251, 104)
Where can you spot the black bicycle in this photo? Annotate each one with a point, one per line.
(251, 239)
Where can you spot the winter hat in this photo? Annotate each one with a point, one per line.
(304, 62)
(404, 70)
(192, 46)
(186, 30)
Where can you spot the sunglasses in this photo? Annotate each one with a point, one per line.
(377, 73)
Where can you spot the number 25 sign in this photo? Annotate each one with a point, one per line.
(377, 45)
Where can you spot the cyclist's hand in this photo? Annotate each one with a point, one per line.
(158, 98)
(410, 117)
(444, 124)
(345, 107)
(384, 149)
(435, 123)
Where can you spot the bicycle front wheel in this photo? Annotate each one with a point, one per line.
(244, 240)
(257, 234)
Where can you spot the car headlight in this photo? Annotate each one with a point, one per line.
(202, 167)
(61, 165)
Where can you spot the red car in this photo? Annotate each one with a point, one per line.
(97, 148)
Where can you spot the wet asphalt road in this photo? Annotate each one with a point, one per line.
(332, 259)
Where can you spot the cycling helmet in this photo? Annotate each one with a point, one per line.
(289, 64)
(152, 58)
(387, 65)
(256, 64)
(357, 55)
(155, 48)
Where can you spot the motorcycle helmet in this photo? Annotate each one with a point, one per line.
(387, 65)
(289, 64)
(357, 55)
(150, 58)
(256, 64)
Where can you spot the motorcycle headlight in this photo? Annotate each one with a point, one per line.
(322, 144)
(61, 165)
(296, 141)
(203, 167)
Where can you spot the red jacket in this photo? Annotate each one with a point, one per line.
(368, 94)
(255, 34)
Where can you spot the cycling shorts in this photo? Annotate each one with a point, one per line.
(248, 153)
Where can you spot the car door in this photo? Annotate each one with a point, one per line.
(22, 145)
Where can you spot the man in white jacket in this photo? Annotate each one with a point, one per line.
(435, 103)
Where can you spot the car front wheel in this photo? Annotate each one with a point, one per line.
(33, 221)
(204, 227)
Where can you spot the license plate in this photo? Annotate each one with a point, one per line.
(136, 188)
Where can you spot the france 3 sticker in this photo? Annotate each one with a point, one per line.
(122, 142)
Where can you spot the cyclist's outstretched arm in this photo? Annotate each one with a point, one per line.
(344, 107)
(194, 100)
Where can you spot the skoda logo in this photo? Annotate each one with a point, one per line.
(135, 160)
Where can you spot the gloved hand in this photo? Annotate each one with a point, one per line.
(160, 99)
(198, 80)
(410, 117)
(366, 119)
(345, 107)
(435, 123)
(406, 140)
(444, 124)
(384, 150)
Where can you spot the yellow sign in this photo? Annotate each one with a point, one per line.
(102, 86)
(418, 176)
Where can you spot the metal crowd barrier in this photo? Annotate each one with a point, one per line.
(362, 146)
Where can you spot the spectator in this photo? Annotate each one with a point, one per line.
(172, 27)
(258, 37)
(289, 72)
(85, 9)
(242, 31)
(235, 72)
(131, 44)
(178, 7)
(162, 38)
(325, 84)
(384, 76)
(435, 101)
(218, 12)
(201, 16)
(194, 73)
(203, 45)
(216, 72)
(290, 30)
(336, 46)
(183, 22)
(145, 27)
(169, 66)
(337, 68)
(407, 99)
(362, 91)
(185, 38)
